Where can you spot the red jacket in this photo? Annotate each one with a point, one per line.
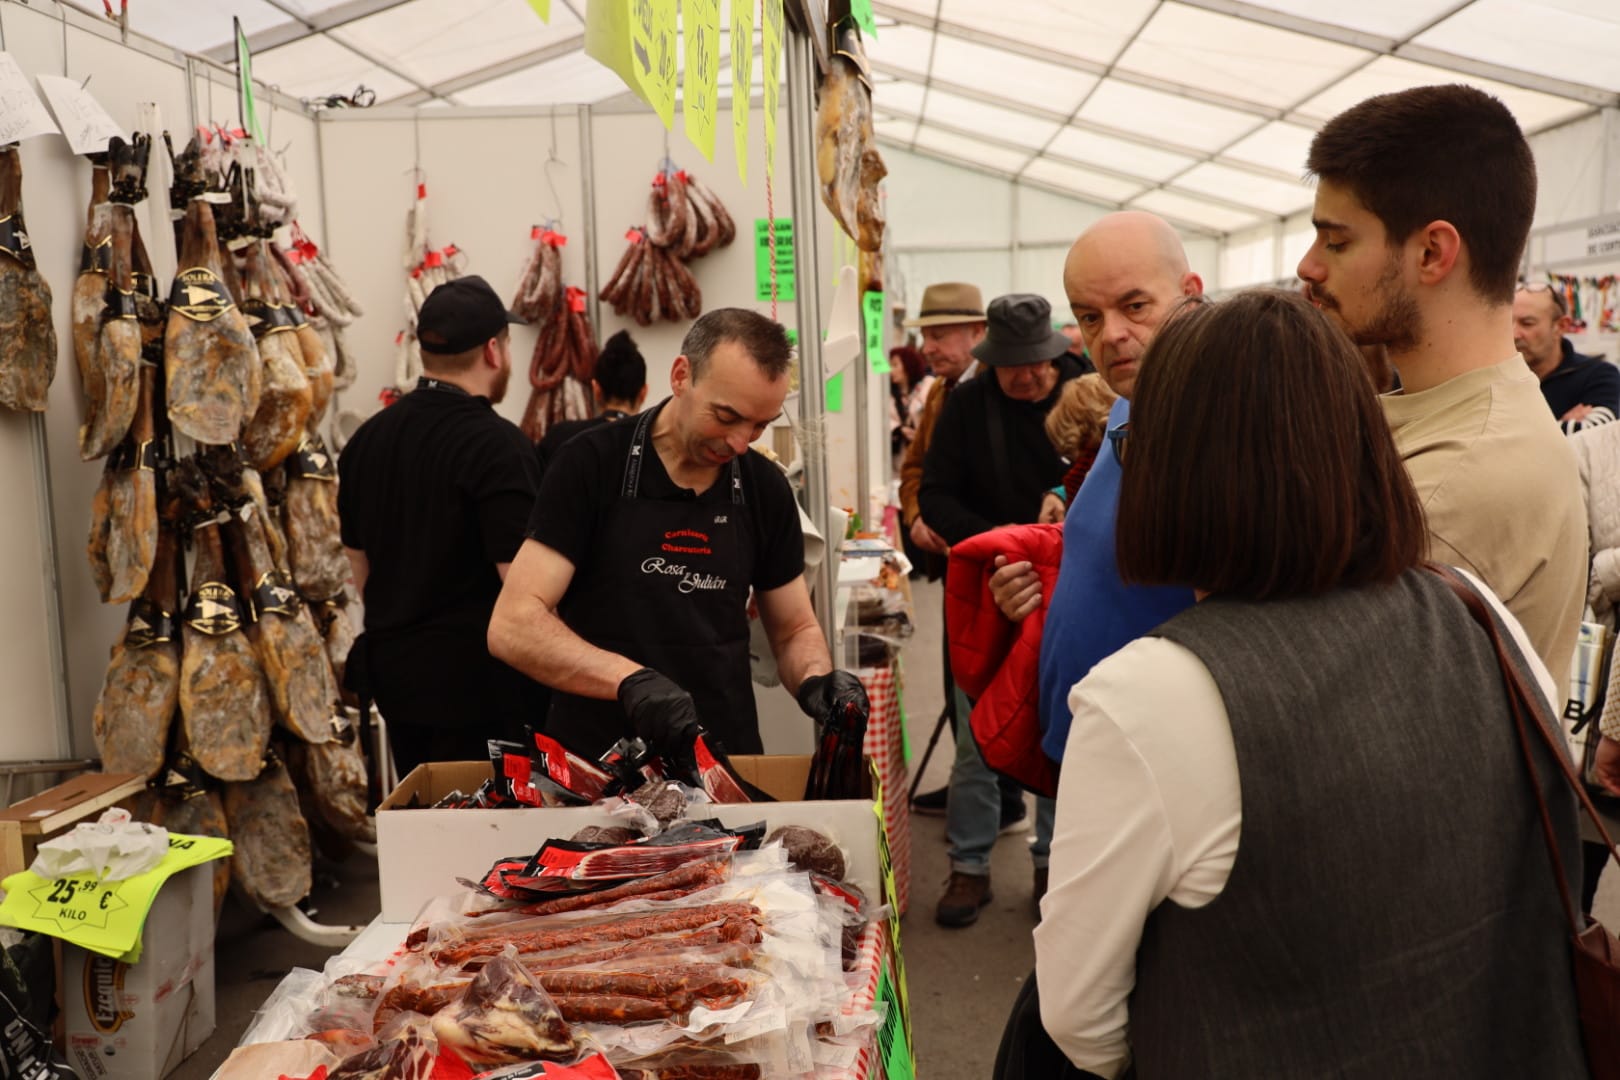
(996, 661)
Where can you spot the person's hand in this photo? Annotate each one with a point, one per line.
(1578, 413)
(1606, 764)
(1052, 510)
(1015, 588)
(836, 698)
(927, 538)
(662, 714)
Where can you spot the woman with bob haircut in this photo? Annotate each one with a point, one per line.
(1295, 834)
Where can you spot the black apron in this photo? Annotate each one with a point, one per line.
(667, 586)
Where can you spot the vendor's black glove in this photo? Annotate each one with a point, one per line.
(837, 699)
(661, 712)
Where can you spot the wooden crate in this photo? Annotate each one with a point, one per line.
(24, 825)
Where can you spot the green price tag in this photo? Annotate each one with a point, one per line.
(835, 393)
(861, 12)
(701, 25)
(894, 1047)
(742, 75)
(785, 262)
(793, 337)
(770, 54)
(103, 916)
(872, 315)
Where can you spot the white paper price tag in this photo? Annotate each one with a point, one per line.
(82, 119)
(21, 114)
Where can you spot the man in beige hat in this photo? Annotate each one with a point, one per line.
(951, 319)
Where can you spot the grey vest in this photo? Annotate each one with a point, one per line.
(1391, 912)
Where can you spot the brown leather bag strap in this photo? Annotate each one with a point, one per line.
(1522, 700)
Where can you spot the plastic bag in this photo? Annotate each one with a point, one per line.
(112, 848)
(504, 1017)
(27, 988)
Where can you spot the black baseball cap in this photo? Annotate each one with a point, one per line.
(461, 315)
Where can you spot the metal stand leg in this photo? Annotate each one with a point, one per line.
(307, 929)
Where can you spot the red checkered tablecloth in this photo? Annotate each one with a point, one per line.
(886, 746)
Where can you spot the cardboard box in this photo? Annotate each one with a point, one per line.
(140, 1021)
(421, 853)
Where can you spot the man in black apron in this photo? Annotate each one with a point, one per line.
(630, 596)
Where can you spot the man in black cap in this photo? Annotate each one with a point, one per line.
(435, 493)
(989, 464)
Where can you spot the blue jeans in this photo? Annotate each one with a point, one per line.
(973, 810)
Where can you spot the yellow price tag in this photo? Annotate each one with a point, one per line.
(652, 54)
(742, 79)
(542, 8)
(770, 53)
(103, 916)
(701, 22)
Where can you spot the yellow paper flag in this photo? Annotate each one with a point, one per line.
(701, 22)
(636, 40)
(742, 78)
(770, 50)
(542, 8)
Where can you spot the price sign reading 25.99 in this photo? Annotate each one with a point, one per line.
(77, 902)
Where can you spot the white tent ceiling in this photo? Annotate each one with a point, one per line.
(1200, 110)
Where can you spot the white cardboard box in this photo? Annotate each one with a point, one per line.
(421, 852)
(140, 1021)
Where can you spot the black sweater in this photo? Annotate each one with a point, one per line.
(964, 491)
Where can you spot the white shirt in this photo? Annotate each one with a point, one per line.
(1147, 811)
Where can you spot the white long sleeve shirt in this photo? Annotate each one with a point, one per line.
(1148, 810)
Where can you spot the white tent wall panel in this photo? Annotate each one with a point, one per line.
(487, 185)
(56, 189)
(1571, 167)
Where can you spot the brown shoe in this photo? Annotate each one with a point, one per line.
(964, 895)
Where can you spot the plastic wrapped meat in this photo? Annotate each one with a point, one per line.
(406, 1056)
(504, 1017)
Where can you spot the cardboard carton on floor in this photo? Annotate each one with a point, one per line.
(421, 852)
(140, 1021)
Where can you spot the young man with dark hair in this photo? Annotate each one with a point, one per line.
(619, 386)
(434, 495)
(1582, 391)
(630, 596)
(1423, 205)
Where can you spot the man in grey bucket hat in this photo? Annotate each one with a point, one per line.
(989, 464)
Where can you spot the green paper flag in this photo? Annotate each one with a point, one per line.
(636, 40)
(785, 281)
(835, 393)
(872, 316)
(742, 79)
(248, 114)
(542, 8)
(861, 12)
(770, 53)
(701, 23)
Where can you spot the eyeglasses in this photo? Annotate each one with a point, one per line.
(1116, 439)
(1556, 294)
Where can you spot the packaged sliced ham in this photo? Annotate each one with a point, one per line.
(505, 1016)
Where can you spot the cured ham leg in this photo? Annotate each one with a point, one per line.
(208, 350)
(271, 863)
(27, 336)
(142, 688)
(90, 289)
(314, 534)
(290, 648)
(124, 519)
(317, 358)
(285, 398)
(199, 812)
(117, 355)
(332, 776)
(223, 699)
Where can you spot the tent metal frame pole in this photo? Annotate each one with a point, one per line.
(800, 64)
(587, 224)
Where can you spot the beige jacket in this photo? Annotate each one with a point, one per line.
(911, 466)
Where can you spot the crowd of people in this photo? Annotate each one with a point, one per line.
(1196, 602)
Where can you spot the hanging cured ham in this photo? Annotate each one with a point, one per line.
(290, 649)
(124, 517)
(314, 534)
(196, 811)
(223, 698)
(332, 777)
(27, 336)
(90, 291)
(317, 360)
(142, 688)
(285, 398)
(109, 411)
(208, 349)
(271, 861)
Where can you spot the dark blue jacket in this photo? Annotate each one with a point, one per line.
(1582, 380)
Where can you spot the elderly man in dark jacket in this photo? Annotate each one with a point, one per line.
(989, 464)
